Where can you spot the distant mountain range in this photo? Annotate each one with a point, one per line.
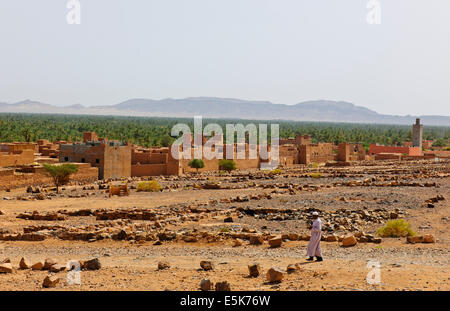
(209, 107)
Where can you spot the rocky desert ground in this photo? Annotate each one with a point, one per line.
(213, 226)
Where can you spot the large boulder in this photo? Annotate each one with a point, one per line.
(349, 240)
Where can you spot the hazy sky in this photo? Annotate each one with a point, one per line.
(284, 51)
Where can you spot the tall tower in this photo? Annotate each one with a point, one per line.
(417, 134)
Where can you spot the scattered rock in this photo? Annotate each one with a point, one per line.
(223, 286)
(292, 268)
(48, 263)
(349, 240)
(206, 285)
(274, 275)
(254, 270)
(6, 267)
(414, 239)
(51, 281)
(162, 265)
(428, 238)
(331, 238)
(228, 219)
(92, 264)
(24, 264)
(57, 268)
(237, 242)
(275, 242)
(206, 265)
(256, 240)
(38, 266)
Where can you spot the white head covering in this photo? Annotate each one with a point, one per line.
(315, 214)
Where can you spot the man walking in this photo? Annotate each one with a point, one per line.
(314, 243)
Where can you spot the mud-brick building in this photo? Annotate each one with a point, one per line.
(112, 158)
(16, 154)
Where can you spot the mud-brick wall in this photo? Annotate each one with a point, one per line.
(148, 169)
(148, 158)
(412, 151)
(22, 157)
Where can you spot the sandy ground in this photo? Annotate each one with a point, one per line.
(128, 265)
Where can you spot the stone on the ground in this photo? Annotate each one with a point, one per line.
(92, 264)
(24, 263)
(6, 260)
(428, 238)
(6, 267)
(206, 265)
(291, 268)
(48, 263)
(349, 240)
(237, 242)
(38, 266)
(414, 239)
(57, 268)
(162, 265)
(206, 285)
(256, 240)
(254, 270)
(223, 286)
(51, 281)
(331, 238)
(274, 275)
(275, 242)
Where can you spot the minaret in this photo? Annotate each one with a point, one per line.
(417, 134)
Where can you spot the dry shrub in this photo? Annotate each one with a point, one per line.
(396, 228)
(149, 186)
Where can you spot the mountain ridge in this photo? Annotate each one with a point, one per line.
(227, 108)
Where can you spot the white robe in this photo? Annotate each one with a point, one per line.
(314, 243)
